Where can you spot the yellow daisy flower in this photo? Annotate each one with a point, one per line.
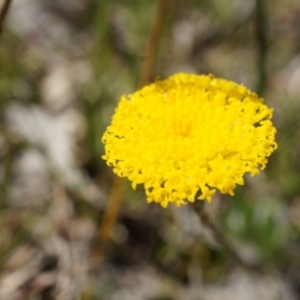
(189, 135)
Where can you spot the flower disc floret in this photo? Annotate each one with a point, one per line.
(187, 136)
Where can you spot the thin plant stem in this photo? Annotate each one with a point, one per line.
(115, 200)
(219, 236)
(3, 14)
(261, 42)
(109, 219)
(148, 66)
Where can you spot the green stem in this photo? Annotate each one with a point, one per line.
(219, 236)
(3, 14)
(261, 40)
(155, 34)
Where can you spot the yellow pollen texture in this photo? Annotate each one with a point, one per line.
(187, 136)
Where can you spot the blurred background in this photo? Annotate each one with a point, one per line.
(68, 228)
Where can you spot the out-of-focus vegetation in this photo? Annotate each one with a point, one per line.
(63, 67)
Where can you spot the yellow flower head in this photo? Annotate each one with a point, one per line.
(189, 135)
